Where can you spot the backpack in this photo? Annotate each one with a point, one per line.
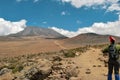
(113, 52)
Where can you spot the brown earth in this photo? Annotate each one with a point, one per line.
(90, 65)
(88, 39)
(89, 62)
(13, 46)
(27, 46)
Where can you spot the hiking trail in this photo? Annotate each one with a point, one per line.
(59, 45)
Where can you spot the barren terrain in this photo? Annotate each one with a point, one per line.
(27, 46)
(35, 58)
(87, 64)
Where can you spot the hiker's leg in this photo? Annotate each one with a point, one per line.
(110, 70)
(116, 70)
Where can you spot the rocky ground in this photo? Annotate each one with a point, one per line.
(85, 63)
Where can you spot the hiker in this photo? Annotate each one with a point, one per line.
(113, 63)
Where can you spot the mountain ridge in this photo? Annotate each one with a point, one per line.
(38, 31)
(89, 39)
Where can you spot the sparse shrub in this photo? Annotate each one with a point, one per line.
(29, 56)
(57, 58)
(69, 53)
(17, 69)
(105, 50)
(72, 52)
(99, 46)
(11, 66)
(81, 49)
(4, 60)
(1, 67)
(12, 60)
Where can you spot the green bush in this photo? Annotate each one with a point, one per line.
(105, 50)
(17, 69)
(69, 53)
(72, 52)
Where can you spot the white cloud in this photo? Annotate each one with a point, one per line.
(21, 1)
(110, 5)
(111, 28)
(64, 32)
(81, 3)
(66, 0)
(78, 22)
(45, 22)
(114, 7)
(18, 0)
(63, 13)
(8, 27)
(35, 1)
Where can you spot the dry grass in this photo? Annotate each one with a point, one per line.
(30, 46)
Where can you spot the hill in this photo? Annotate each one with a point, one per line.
(87, 39)
(37, 31)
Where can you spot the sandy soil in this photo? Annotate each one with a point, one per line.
(89, 62)
(31, 46)
(91, 68)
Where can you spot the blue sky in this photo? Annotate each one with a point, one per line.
(65, 16)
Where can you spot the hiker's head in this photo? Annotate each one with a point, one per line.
(112, 39)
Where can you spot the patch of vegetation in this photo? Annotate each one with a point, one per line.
(15, 67)
(81, 49)
(18, 68)
(13, 60)
(105, 49)
(69, 53)
(100, 46)
(11, 66)
(4, 60)
(72, 52)
(30, 56)
(1, 67)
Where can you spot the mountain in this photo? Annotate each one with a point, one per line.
(36, 31)
(89, 39)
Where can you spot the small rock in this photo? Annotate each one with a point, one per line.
(106, 65)
(77, 53)
(71, 71)
(88, 71)
(94, 65)
(4, 70)
(40, 71)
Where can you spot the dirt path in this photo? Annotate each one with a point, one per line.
(59, 45)
(90, 67)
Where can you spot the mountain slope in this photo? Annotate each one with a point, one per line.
(89, 39)
(41, 32)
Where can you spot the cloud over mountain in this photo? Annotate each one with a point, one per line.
(111, 28)
(8, 27)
